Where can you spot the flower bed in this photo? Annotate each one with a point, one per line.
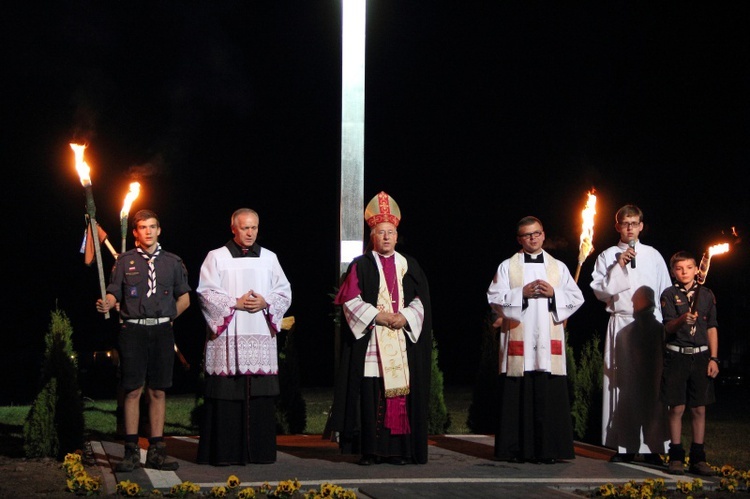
(732, 481)
(81, 483)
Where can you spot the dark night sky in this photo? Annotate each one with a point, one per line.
(477, 113)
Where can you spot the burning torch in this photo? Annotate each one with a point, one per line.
(587, 231)
(135, 189)
(83, 172)
(717, 249)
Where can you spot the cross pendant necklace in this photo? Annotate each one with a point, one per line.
(392, 287)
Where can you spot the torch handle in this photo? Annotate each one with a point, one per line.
(90, 205)
(124, 231)
(694, 307)
(91, 210)
(99, 264)
(703, 268)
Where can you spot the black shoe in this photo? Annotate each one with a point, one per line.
(397, 460)
(547, 460)
(368, 459)
(622, 458)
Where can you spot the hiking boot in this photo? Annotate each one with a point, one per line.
(156, 458)
(702, 468)
(131, 460)
(676, 468)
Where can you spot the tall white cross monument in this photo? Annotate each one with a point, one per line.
(352, 131)
(351, 237)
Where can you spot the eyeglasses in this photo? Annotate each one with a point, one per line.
(381, 233)
(629, 225)
(534, 234)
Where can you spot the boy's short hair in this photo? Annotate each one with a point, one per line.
(142, 215)
(529, 220)
(679, 257)
(629, 210)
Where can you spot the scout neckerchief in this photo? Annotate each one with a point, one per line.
(151, 268)
(690, 294)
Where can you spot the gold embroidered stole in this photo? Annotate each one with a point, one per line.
(515, 347)
(394, 365)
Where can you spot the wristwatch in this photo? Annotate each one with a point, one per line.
(715, 359)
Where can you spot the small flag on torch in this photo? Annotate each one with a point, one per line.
(135, 189)
(700, 278)
(87, 247)
(587, 231)
(83, 172)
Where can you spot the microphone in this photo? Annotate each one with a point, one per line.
(631, 243)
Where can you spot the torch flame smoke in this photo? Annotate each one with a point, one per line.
(83, 168)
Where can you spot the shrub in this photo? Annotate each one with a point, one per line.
(59, 405)
(587, 391)
(39, 435)
(438, 419)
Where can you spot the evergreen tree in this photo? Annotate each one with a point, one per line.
(39, 435)
(587, 392)
(60, 384)
(438, 419)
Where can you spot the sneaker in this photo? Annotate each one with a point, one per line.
(702, 468)
(676, 468)
(132, 459)
(156, 458)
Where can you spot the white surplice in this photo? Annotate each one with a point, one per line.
(625, 429)
(245, 342)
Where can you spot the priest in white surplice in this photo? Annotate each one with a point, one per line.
(244, 294)
(533, 294)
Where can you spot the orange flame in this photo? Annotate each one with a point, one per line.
(135, 189)
(83, 168)
(587, 228)
(705, 264)
(718, 249)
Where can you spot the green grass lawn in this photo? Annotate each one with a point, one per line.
(727, 425)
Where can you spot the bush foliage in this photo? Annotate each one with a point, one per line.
(438, 419)
(587, 391)
(54, 426)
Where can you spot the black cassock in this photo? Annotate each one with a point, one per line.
(359, 404)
